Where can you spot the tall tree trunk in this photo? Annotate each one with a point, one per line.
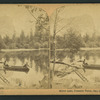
(54, 46)
(49, 54)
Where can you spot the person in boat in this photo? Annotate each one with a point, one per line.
(5, 64)
(85, 62)
(26, 65)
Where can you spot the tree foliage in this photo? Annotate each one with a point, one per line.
(42, 31)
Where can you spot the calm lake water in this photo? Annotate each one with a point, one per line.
(93, 76)
(38, 62)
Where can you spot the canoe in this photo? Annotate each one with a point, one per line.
(16, 68)
(91, 66)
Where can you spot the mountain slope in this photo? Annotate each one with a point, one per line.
(6, 26)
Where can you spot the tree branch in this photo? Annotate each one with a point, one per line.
(63, 27)
(36, 19)
(32, 14)
(59, 20)
(60, 29)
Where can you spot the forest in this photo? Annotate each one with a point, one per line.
(36, 40)
(71, 39)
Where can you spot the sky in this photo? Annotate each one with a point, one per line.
(92, 11)
(88, 9)
(16, 17)
(19, 18)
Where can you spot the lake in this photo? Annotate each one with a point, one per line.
(38, 64)
(73, 80)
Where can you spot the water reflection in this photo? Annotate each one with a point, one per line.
(38, 62)
(90, 56)
(37, 59)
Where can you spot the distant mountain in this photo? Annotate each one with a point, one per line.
(6, 26)
(84, 24)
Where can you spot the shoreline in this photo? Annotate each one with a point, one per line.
(9, 50)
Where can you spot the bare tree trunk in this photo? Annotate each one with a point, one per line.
(49, 54)
(54, 40)
(54, 45)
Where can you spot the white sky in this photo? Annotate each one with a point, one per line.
(76, 10)
(79, 10)
(20, 16)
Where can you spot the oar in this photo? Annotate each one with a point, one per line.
(81, 76)
(4, 79)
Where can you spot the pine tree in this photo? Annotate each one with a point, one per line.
(31, 35)
(2, 44)
(22, 36)
(42, 30)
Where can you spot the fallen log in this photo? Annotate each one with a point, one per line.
(69, 65)
(58, 62)
(85, 65)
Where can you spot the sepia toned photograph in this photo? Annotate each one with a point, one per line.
(49, 49)
(23, 46)
(75, 47)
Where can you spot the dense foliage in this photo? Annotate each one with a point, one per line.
(72, 40)
(37, 40)
(40, 39)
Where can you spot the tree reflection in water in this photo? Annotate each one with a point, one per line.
(62, 55)
(81, 54)
(40, 59)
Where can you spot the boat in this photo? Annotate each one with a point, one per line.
(91, 66)
(16, 68)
